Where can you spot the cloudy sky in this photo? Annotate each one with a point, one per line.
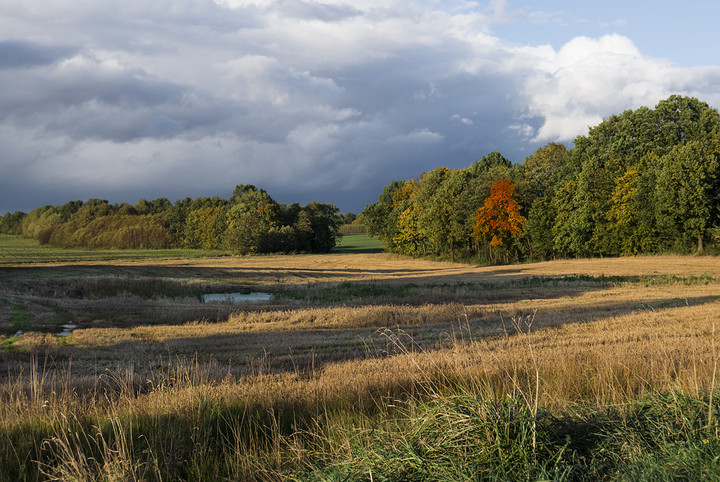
(325, 100)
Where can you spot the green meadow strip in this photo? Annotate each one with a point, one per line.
(20, 250)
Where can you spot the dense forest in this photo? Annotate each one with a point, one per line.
(644, 181)
(250, 221)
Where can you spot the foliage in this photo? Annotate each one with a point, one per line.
(11, 223)
(644, 181)
(381, 217)
(687, 193)
(499, 219)
(539, 229)
(489, 161)
(324, 225)
(204, 227)
(249, 222)
(543, 168)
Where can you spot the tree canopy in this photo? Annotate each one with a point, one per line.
(250, 221)
(644, 181)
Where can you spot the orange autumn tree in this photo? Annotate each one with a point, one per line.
(500, 217)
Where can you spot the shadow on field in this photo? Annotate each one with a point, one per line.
(281, 347)
(53, 292)
(239, 274)
(289, 276)
(355, 250)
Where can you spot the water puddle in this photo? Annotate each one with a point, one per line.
(67, 329)
(237, 297)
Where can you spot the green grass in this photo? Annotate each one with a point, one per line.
(358, 243)
(461, 435)
(20, 318)
(20, 250)
(457, 433)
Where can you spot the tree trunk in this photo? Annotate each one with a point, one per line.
(700, 243)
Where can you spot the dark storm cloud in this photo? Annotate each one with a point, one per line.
(326, 100)
(16, 54)
(83, 99)
(318, 11)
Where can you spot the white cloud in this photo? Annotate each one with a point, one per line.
(462, 120)
(245, 3)
(587, 80)
(417, 136)
(525, 130)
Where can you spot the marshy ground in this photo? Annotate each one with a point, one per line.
(325, 308)
(346, 338)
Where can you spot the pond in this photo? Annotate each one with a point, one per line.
(237, 297)
(67, 329)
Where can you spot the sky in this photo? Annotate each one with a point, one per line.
(325, 100)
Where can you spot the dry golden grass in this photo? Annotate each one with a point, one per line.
(303, 269)
(585, 341)
(295, 336)
(612, 359)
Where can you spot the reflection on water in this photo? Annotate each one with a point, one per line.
(237, 297)
(67, 329)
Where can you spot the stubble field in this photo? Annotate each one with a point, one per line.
(362, 366)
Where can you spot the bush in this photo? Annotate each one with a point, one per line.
(45, 235)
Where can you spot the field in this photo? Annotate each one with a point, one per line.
(358, 243)
(20, 250)
(363, 366)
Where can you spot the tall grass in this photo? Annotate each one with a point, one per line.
(526, 405)
(97, 287)
(569, 378)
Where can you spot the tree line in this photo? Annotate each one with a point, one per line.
(644, 181)
(250, 221)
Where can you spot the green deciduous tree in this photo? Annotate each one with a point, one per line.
(251, 215)
(325, 222)
(381, 216)
(543, 169)
(623, 214)
(407, 239)
(539, 228)
(11, 223)
(432, 205)
(205, 227)
(687, 194)
(488, 161)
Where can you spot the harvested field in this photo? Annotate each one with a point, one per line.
(346, 338)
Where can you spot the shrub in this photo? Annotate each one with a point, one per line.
(45, 234)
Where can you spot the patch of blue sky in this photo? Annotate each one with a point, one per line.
(685, 33)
